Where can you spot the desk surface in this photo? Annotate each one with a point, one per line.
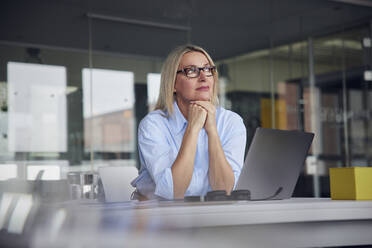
(296, 222)
(204, 214)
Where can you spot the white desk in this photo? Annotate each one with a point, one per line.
(297, 222)
(207, 214)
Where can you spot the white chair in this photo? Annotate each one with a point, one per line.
(116, 182)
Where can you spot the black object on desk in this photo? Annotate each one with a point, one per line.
(217, 195)
(192, 198)
(240, 195)
(236, 195)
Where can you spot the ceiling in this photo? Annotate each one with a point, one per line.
(152, 28)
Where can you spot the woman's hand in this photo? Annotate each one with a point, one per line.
(220, 173)
(210, 124)
(197, 116)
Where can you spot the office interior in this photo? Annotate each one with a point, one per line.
(76, 78)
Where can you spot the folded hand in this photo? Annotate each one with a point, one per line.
(210, 123)
(196, 116)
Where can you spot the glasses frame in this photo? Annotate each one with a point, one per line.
(212, 69)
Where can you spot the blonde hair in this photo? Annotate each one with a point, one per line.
(169, 73)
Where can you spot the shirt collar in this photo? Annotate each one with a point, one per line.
(177, 119)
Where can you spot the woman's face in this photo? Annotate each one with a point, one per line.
(193, 89)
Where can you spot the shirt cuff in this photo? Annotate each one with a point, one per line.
(164, 184)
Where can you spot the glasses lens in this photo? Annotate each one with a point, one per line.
(208, 70)
(192, 72)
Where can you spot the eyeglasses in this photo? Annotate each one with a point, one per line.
(193, 71)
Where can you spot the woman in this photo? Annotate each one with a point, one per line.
(188, 146)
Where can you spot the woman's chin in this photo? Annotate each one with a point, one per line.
(202, 99)
(205, 97)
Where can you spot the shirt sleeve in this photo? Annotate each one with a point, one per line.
(233, 144)
(156, 156)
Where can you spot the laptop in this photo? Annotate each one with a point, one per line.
(273, 163)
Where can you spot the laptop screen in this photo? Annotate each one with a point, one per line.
(274, 162)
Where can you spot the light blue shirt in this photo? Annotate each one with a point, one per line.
(159, 140)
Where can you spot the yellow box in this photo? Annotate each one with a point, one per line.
(351, 183)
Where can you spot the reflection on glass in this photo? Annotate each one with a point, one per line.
(20, 213)
(5, 201)
(37, 101)
(57, 221)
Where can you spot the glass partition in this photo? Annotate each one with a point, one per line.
(37, 123)
(316, 85)
(71, 110)
(70, 105)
